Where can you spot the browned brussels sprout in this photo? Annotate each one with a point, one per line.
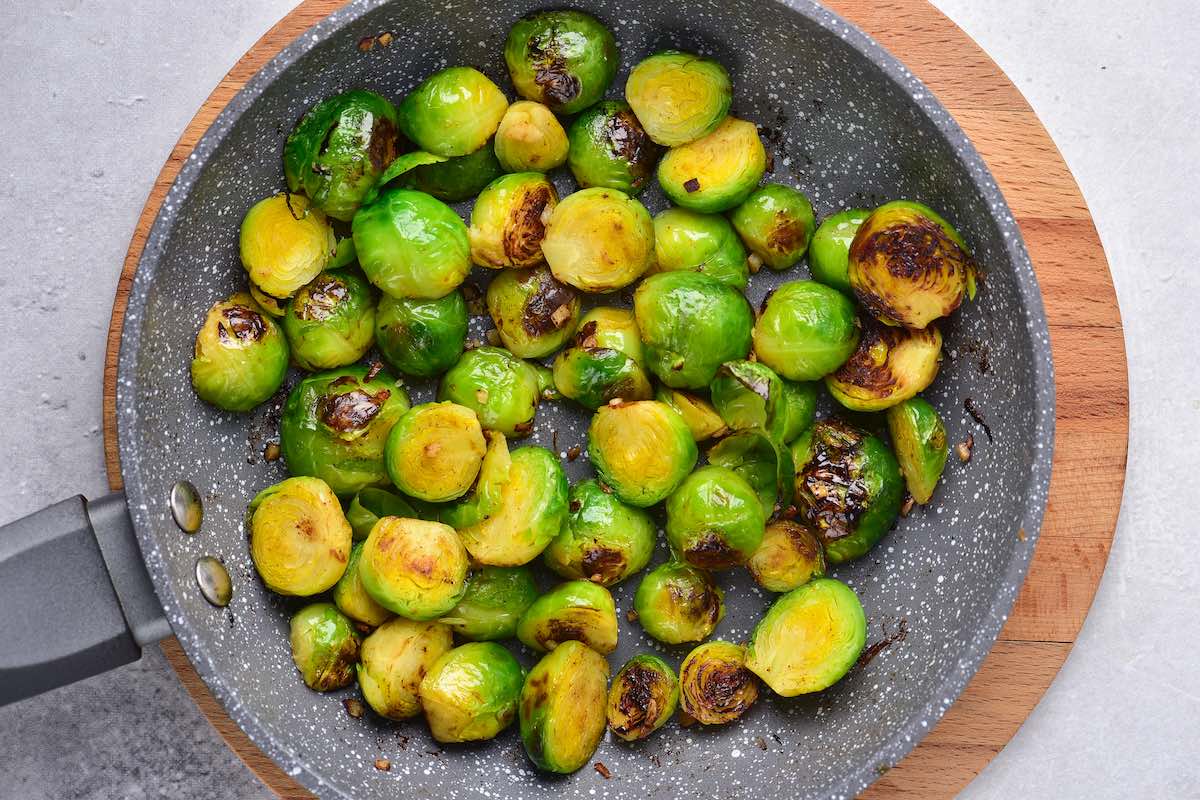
(562, 709)
(508, 221)
(715, 686)
(241, 355)
(565, 59)
(678, 603)
(610, 149)
(604, 540)
(889, 366)
(534, 313)
(643, 696)
(789, 556)
(324, 647)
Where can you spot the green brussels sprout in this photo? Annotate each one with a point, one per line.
(715, 686)
(273, 306)
(370, 505)
(829, 250)
(604, 540)
(434, 451)
(299, 537)
(679, 97)
(789, 556)
(763, 461)
(562, 709)
(610, 149)
(848, 488)
(919, 437)
(471, 692)
(717, 172)
(401, 165)
(530, 139)
(565, 59)
(579, 611)
(352, 599)
(691, 324)
(534, 313)
(707, 243)
(611, 329)
(324, 647)
(413, 567)
(394, 660)
(715, 519)
(421, 338)
(750, 396)
(776, 223)
(599, 240)
(453, 112)
(338, 150)
(809, 638)
(889, 366)
(643, 696)
(908, 266)
(456, 179)
(495, 599)
(677, 603)
(335, 426)
(330, 322)
(806, 330)
(595, 376)
(500, 388)
(284, 243)
(410, 244)
(241, 355)
(508, 220)
(641, 450)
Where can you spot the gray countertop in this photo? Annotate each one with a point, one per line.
(95, 95)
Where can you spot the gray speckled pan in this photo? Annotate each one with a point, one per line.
(848, 125)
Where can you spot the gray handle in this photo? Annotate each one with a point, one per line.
(75, 595)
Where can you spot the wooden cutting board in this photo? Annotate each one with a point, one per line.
(1085, 330)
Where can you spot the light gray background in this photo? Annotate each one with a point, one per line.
(93, 98)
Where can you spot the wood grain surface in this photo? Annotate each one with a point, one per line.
(1085, 331)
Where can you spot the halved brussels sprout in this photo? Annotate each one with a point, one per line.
(471, 693)
(579, 611)
(679, 97)
(691, 324)
(809, 638)
(848, 488)
(508, 220)
(676, 603)
(698, 413)
(534, 313)
(789, 556)
(330, 322)
(889, 366)
(434, 451)
(352, 599)
(641, 450)
(908, 266)
(284, 243)
(776, 223)
(750, 396)
(714, 519)
(410, 244)
(562, 708)
(273, 306)
(707, 243)
(599, 240)
(335, 426)
(763, 461)
(609, 148)
(456, 179)
(565, 59)
(806, 330)
(643, 696)
(495, 599)
(717, 172)
(453, 112)
(715, 686)
(604, 540)
(371, 504)
(919, 437)
(500, 388)
(414, 568)
(394, 659)
(299, 537)
(339, 149)
(595, 376)
(829, 250)
(612, 329)
(240, 357)
(530, 139)
(421, 338)
(324, 647)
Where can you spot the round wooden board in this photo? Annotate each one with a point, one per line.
(1085, 330)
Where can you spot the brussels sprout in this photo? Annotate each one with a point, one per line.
(508, 220)
(400, 165)
(274, 306)
(707, 243)
(324, 647)
(284, 243)
(642, 450)
(471, 692)
(806, 330)
(908, 266)
(594, 376)
(848, 488)
(484, 501)
(434, 451)
(776, 223)
(809, 638)
(691, 324)
(369, 505)
(330, 322)
(545, 382)
(829, 250)
(677, 603)
(299, 538)
(701, 418)
(604, 540)
(789, 556)
(599, 240)
(890, 366)
(500, 388)
(611, 329)
(562, 709)
(750, 396)
(421, 338)
(610, 149)
(394, 659)
(495, 599)
(456, 179)
(338, 150)
(240, 357)
(679, 97)
(565, 59)
(715, 173)
(715, 686)
(410, 244)
(453, 112)
(414, 568)
(352, 599)
(335, 426)
(921, 449)
(579, 611)
(530, 139)
(534, 313)
(714, 519)
(763, 461)
(643, 696)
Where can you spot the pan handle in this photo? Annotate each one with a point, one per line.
(75, 598)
